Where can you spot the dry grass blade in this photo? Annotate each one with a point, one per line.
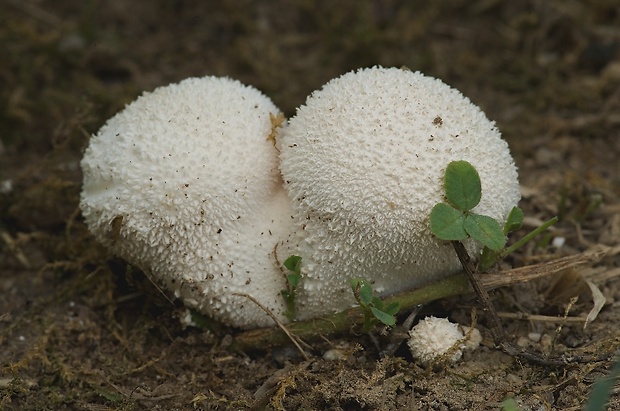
(293, 338)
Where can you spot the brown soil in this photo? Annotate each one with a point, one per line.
(79, 331)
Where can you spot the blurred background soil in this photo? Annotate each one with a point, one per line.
(80, 331)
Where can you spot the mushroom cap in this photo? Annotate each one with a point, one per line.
(433, 337)
(185, 184)
(363, 162)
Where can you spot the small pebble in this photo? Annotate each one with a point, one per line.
(514, 379)
(523, 342)
(546, 341)
(333, 355)
(6, 186)
(535, 337)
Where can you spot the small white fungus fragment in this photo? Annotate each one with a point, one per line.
(435, 337)
(473, 338)
(558, 242)
(187, 320)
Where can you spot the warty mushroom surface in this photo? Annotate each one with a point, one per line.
(363, 162)
(184, 184)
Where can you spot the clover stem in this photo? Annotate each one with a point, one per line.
(527, 237)
(495, 326)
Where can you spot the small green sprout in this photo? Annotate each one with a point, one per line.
(293, 265)
(454, 220)
(374, 309)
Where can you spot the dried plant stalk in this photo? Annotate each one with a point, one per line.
(457, 284)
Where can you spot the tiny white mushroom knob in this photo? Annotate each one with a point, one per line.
(184, 183)
(433, 337)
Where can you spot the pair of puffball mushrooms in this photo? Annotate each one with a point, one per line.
(194, 184)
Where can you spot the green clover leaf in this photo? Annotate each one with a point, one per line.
(462, 185)
(447, 223)
(384, 317)
(514, 220)
(293, 263)
(486, 230)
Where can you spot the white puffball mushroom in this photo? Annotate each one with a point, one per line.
(363, 163)
(433, 338)
(184, 183)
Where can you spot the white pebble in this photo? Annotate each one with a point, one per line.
(535, 337)
(6, 186)
(333, 355)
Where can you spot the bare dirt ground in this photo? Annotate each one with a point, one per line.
(78, 331)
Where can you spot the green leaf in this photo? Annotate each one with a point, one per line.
(377, 303)
(293, 280)
(392, 308)
(384, 317)
(514, 221)
(365, 293)
(486, 230)
(462, 185)
(447, 223)
(354, 283)
(293, 263)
